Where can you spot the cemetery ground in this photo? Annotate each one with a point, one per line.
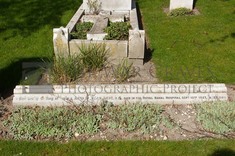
(189, 49)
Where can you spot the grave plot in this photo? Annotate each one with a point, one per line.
(114, 23)
(96, 28)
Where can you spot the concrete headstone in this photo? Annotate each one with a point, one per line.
(174, 4)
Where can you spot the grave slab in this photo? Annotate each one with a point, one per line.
(174, 4)
(119, 94)
(119, 5)
(97, 30)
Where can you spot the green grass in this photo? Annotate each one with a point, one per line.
(192, 48)
(147, 148)
(26, 33)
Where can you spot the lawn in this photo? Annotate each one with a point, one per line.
(26, 34)
(198, 148)
(192, 49)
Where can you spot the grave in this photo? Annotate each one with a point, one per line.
(104, 12)
(59, 95)
(175, 4)
(133, 49)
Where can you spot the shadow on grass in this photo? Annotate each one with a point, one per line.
(12, 75)
(148, 54)
(223, 152)
(194, 3)
(222, 39)
(25, 17)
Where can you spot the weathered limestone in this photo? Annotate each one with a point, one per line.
(136, 44)
(134, 19)
(77, 16)
(89, 18)
(117, 18)
(60, 41)
(120, 5)
(97, 31)
(116, 49)
(119, 94)
(174, 4)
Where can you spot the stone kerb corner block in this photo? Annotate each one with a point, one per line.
(136, 46)
(174, 4)
(61, 41)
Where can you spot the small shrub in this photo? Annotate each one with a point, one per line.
(217, 117)
(61, 123)
(117, 31)
(180, 12)
(123, 71)
(81, 30)
(56, 123)
(94, 6)
(93, 56)
(135, 117)
(66, 69)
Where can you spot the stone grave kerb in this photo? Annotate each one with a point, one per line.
(109, 5)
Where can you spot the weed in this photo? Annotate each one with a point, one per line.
(94, 6)
(117, 31)
(81, 30)
(57, 123)
(66, 69)
(133, 117)
(217, 117)
(123, 71)
(180, 12)
(93, 56)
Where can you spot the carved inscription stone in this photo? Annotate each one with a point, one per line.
(119, 94)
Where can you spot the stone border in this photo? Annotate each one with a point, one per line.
(55, 95)
(134, 51)
(76, 17)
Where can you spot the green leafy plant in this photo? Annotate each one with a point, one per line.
(135, 117)
(180, 12)
(55, 123)
(66, 69)
(93, 56)
(123, 71)
(61, 123)
(81, 30)
(94, 6)
(218, 117)
(117, 31)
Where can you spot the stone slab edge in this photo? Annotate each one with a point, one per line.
(64, 95)
(76, 17)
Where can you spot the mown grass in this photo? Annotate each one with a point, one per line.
(26, 34)
(192, 48)
(186, 148)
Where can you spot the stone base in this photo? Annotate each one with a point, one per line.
(119, 94)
